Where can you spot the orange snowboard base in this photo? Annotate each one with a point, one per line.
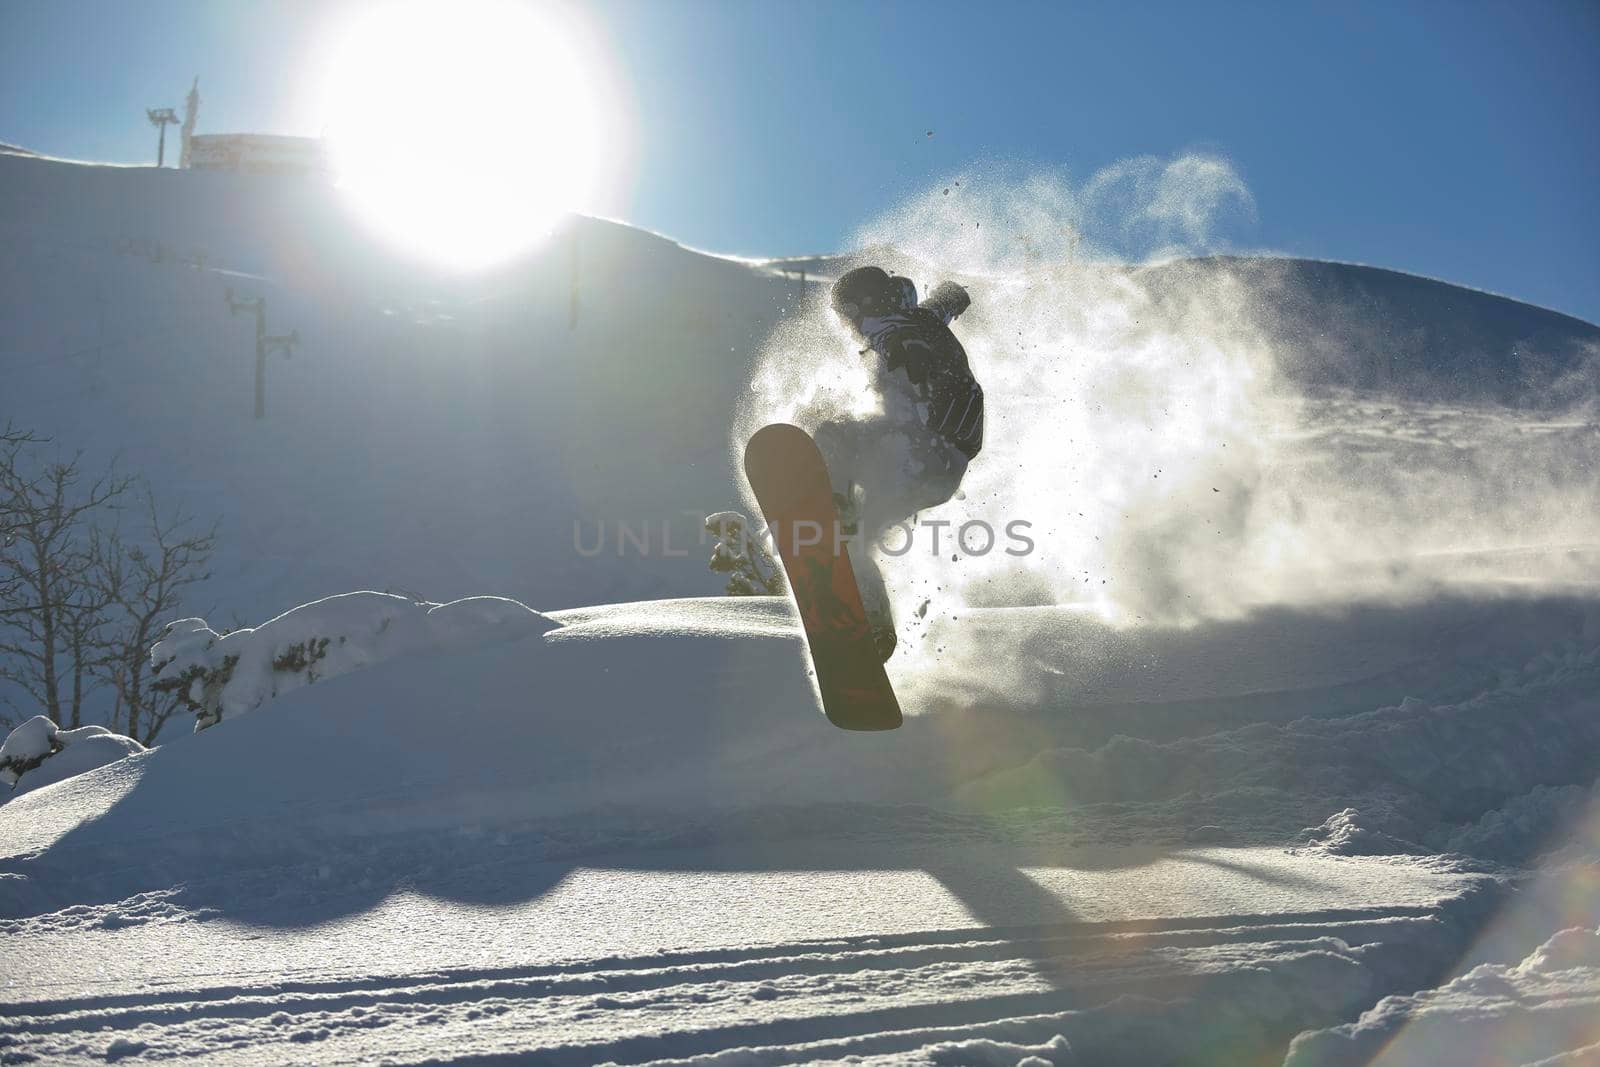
(790, 480)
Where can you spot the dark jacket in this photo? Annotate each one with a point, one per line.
(920, 341)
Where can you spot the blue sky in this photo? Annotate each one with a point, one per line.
(1459, 140)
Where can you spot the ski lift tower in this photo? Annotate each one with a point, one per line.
(161, 118)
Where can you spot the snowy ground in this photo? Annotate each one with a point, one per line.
(408, 862)
(811, 950)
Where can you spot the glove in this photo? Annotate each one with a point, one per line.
(948, 299)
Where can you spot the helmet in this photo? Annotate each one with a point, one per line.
(869, 291)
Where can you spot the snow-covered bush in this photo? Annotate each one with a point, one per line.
(742, 557)
(38, 752)
(224, 675)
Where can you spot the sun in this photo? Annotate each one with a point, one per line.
(462, 129)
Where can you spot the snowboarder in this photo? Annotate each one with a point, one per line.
(886, 470)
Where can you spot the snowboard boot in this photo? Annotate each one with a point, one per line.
(884, 639)
(875, 602)
(848, 507)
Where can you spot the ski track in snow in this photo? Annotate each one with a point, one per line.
(898, 966)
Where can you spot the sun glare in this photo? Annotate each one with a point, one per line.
(462, 129)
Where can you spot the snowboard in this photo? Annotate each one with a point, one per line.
(790, 480)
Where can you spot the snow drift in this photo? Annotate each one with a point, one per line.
(225, 675)
(39, 752)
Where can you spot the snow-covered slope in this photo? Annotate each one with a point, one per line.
(436, 435)
(1296, 696)
(1338, 324)
(448, 436)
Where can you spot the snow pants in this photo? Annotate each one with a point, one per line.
(901, 467)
